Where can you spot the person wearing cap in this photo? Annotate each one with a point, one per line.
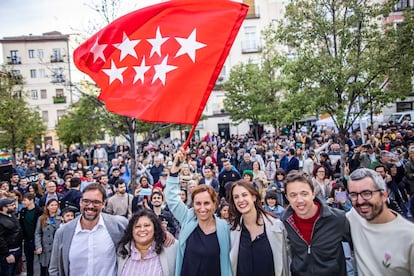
(68, 214)
(11, 236)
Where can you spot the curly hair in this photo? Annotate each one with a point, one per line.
(159, 235)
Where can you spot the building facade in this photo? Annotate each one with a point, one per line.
(43, 63)
(395, 18)
(247, 47)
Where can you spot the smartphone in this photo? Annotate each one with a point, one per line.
(339, 196)
(145, 192)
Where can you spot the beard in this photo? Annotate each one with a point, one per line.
(90, 217)
(376, 210)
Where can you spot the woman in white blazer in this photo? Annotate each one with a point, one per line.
(258, 240)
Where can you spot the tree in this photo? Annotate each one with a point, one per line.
(82, 125)
(347, 61)
(20, 125)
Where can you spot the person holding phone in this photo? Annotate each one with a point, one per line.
(339, 198)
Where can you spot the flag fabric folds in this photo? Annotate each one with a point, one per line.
(160, 63)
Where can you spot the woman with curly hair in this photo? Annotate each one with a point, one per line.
(141, 250)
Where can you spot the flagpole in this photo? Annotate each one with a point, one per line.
(187, 142)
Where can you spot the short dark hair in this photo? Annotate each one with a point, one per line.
(299, 176)
(119, 182)
(29, 196)
(95, 187)
(75, 182)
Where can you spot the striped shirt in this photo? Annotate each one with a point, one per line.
(149, 266)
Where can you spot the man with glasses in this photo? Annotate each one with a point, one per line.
(87, 244)
(50, 193)
(383, 239)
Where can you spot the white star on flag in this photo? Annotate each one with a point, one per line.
(115, 73)
(140, 71)
(189, 45)
(161, 70)
(157, 42)
(127, 47)
(97, 51)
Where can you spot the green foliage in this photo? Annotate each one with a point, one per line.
(19, 124)
(345, 57)
(83, 124)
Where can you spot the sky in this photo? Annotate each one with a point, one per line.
(24, 17)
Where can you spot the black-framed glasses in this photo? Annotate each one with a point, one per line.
(366, 195)
(88, 201)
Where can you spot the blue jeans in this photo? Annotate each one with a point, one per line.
(7, 269)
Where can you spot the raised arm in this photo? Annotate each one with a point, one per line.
(172, 189)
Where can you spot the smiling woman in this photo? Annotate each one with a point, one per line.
(141, 250)
(258, 240)
(204, 238)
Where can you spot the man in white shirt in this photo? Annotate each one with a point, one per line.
(87, 244)
(383, 240)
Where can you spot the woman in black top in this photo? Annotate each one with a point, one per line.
(258, 240)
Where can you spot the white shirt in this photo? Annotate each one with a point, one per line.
(92, 252)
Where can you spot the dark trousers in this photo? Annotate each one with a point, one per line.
(412, 205)
(29, 253)
(7, 269)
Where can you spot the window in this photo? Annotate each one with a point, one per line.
(31, 53)
(250, 43)
(57, 56)
(34, 94)
(17, 73)
(60, 113)
(33, 73)
(40, 53)
(45, 115)
(43, 93)
(42, 73)
(58, 75)
(402, 4)
(14, 57)
(59, 93)
(404, 106)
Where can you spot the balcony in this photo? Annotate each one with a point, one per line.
(59, 99)
(54, 59)
(14, 60)
(58, 79)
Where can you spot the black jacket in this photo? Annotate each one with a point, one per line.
(324, 256)
(11, 234)
(28, 232)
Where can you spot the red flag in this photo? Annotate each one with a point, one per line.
(160, 63)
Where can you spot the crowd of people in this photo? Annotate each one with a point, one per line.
(288, 203)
